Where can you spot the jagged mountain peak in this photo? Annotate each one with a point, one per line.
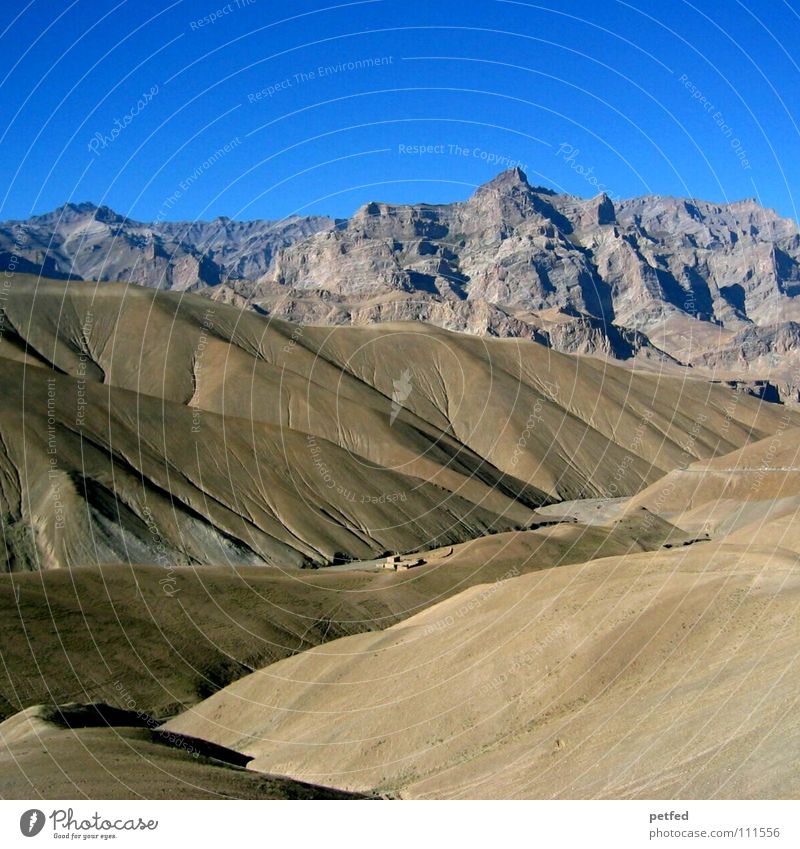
(371, 208)
(494, 264)
(107, 215)
(71, 213)
(67, 212)
(507, 182)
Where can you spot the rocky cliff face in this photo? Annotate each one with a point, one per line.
(514, 245)
(771, 351)
(659, 277)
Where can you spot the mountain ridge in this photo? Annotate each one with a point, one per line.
(259, 442)
(658, 280)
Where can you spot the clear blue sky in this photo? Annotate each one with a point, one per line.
(696, 99)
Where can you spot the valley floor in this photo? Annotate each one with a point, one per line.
(601, 656)
(597, 593)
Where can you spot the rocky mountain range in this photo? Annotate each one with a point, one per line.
(87, 242)
(160, 427)
(663, 281)
(398, 560)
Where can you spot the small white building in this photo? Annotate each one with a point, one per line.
(396, 563)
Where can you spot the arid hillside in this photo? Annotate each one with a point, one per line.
(153, 427)
(657, 280)
(197, 503)
(662, 674)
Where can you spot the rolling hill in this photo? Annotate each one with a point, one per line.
(148, 427)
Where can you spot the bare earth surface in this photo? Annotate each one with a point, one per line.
(602, 596)
(650, 676)
(41, 759)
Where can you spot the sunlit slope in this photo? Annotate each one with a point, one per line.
(441, 406)
(216, 358)
(125, 479)
(96, 760)
(748, 487)
(167, 637)
(573, 426)
(657, 675)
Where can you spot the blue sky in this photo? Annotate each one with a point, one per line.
(186, 110)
